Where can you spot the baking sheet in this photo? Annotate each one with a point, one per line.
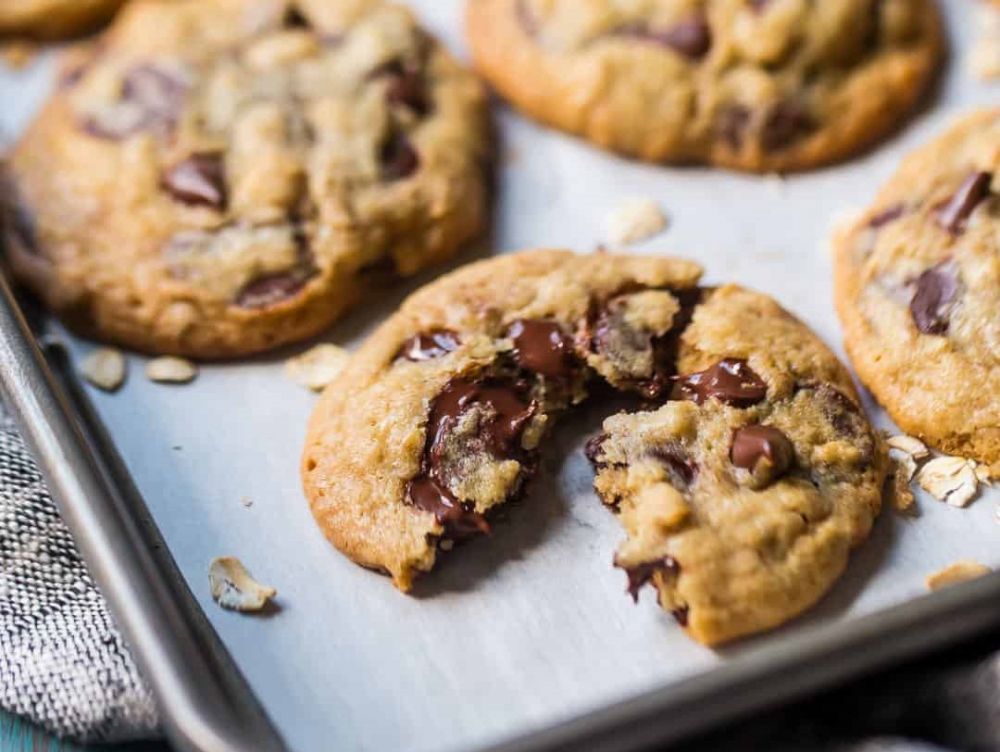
(532, 626)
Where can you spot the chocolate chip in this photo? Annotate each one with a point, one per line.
(759, 5)
(640, 574)
(683, 469)
(593, 448)
(934, 297)
(398, 158)
(460, 522)
(542, 347)
(756, 444)
(294, 19)
(786, 123)
(731, 124)
(730, 381)
(157, 96)
(199, 179)
(681, 615)
(271, 290)
(952, 215)
(690, 37)
(886, 216)
(429, 345)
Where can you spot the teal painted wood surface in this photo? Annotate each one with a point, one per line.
(18, 736)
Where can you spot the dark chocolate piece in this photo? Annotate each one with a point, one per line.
(954, 213)
(934, 298)
(640, 574)
(429, 345)
(199, 180)
(398, 158)
(730, 380)
(542, 347)
(271, 290)
(753, 444)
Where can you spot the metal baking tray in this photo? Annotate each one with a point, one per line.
(524, 641)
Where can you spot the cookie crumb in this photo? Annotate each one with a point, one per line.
(950, 479)
(171, 370)
(903, 499)
(246, 501)
(233, 588)
(960, 571)
(634, 221)
(984, 55)
(317, 366)
(105, 368)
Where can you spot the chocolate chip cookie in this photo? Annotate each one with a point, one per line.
(742, 484)
(218, 177)
(53, 19)
(758, 85)
(918, 291)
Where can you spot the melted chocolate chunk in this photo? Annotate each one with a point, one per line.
(457, 519)
(429, 345)
(611, 336)
(199, 179)
(786, 123)
(509, 415)
(683, 469)
(934, 297)
(681, 615)
(952, 215)
(730, 381)
(398, 158)
(158, 96)
(406, 86)
(752, 444)
(542, 347)
(641, 574)
(731, 124)
(593, 448)
(887, 216)
(294, 19)
(271, 290)
(690, 37)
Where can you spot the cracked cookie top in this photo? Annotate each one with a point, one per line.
(758, 85)
(447, 407)
(216, 177)
(918, 291)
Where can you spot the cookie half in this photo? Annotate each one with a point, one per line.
(218, 177)
(918, 291)
(744, 494)
(761, 85)
(449, 402)
(54, 19)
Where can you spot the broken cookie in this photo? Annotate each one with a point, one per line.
(752, 457)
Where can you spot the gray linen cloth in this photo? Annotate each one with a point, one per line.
(64, 666)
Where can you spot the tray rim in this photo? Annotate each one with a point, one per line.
(207, 705)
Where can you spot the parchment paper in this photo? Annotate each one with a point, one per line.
(531, 626)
